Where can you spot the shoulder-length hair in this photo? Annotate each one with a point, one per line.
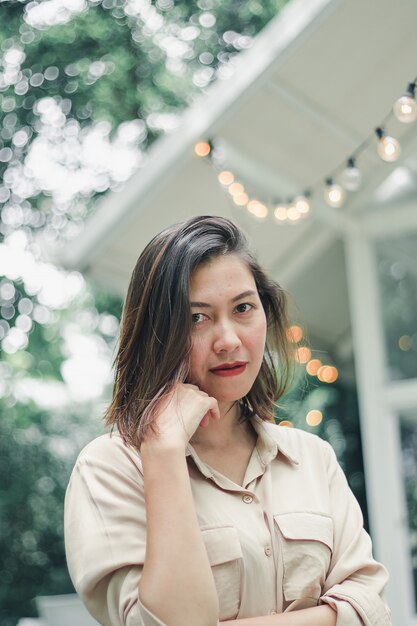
(155, 333)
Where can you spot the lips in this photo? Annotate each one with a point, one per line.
(229, 369)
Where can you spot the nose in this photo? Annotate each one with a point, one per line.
(226, 338)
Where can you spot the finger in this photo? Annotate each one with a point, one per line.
(205, 421)
(214, 410)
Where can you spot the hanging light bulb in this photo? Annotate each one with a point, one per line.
(351, 177)
(226, 178)
(302, 204)
(334, 194)
(258, 209)
(280, 212)
(388, 148)
(203, 148)
(405, 108)
(293, 214)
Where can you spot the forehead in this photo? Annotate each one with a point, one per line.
(220, 274)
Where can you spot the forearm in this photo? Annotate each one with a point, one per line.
(176, 584)
(316, 616)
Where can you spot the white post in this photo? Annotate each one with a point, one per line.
(379, 427)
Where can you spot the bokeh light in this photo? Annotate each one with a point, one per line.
(327, 374)
(294, 333)
(226, 178)
(303, 354)
(405, 343)
(314, 417)
(313, 366)
(258, 209)
(202, 148)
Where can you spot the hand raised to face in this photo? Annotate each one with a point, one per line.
(181, 413)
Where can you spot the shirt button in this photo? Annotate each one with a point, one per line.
(247, 498)
(268, 550)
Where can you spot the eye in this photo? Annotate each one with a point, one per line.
(245, 307)
(198, 318)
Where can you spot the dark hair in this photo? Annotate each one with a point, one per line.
(154, 341)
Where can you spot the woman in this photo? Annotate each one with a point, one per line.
(200, 509)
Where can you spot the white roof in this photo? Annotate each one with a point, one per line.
(317, 81)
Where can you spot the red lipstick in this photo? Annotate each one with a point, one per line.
(229, 369)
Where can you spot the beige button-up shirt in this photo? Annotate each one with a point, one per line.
(291, 537)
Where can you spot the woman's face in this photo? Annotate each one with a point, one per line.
(229, 328)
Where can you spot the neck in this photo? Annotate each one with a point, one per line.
(223, 433)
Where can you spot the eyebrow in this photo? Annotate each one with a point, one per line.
(244, 294)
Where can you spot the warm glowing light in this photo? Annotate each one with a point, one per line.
(303, 354)
(236, 189)
(241, 199)
(314, 417)
(202, 149)
(313, 366)
(405, 108)
(388, 148)
(226, 178)
(257, 209)
(332, 374)
(327, 374)
(294, 333)
(286, 423)
(405, 343)
(302, 205)
(293, 213)
(280, 213)
(334, 194)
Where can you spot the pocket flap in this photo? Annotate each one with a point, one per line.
(222, 544)
(308, 526)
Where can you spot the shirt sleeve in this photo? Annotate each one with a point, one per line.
(355, 581)
(105, 535)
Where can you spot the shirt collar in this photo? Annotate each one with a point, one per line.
(272, 441)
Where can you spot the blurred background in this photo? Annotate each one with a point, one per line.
(120, 117)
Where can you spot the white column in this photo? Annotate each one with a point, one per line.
(379, 427)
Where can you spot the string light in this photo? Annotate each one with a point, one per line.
(202, 148)
(314, 417)
(334, 194)
(302, 204)
(303, 354)
(313, 366)
(236, 189)
(294, 333)
(293, 214)
(388, 148)
(241, 199)
(280, 213)
(258, 209)
(405, 108)
(226, 178)
(351, 177)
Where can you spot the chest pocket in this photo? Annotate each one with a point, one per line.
(306, 541)
(226, 560)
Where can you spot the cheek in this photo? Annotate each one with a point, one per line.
(196, 354)
(257, 339)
